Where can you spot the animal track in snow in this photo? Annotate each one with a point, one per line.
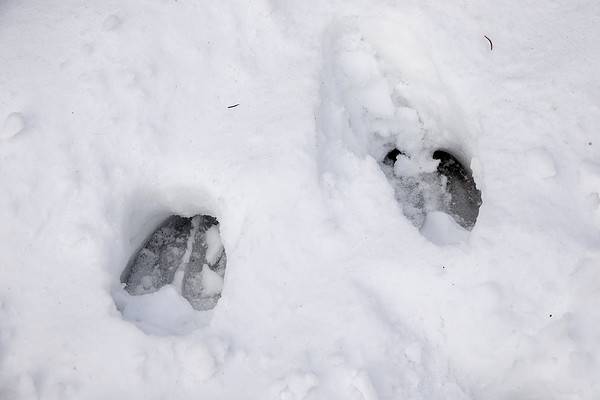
(397, 111)
(449, 188)
(186, 252)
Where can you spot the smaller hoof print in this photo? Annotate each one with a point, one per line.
(421, 190)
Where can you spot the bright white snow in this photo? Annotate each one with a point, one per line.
(114, 115)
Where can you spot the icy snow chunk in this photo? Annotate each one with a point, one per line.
(186, 253)
(214, 245)
(441, 229)
(212, 282)
(13, 125)
(410, 166)
(163, 312)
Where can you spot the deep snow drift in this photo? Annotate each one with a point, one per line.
(115, 115)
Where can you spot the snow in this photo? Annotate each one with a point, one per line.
(540, 163)
(13, 125)
(114, 115)
(214, 245)
(441, 229)
(164, 312)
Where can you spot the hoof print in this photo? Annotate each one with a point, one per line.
(448, 188)
(192, 245)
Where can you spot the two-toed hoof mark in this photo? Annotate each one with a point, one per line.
(186, 247)
(450, 188)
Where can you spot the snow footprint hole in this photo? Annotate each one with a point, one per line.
(432, 188)
(185, 252)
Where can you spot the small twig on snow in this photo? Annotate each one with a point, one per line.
(489, 40)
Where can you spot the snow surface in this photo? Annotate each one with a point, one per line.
(115, 115)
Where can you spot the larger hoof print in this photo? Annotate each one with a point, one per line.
(180, 246)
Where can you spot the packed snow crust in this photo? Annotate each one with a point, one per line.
(116, 114)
